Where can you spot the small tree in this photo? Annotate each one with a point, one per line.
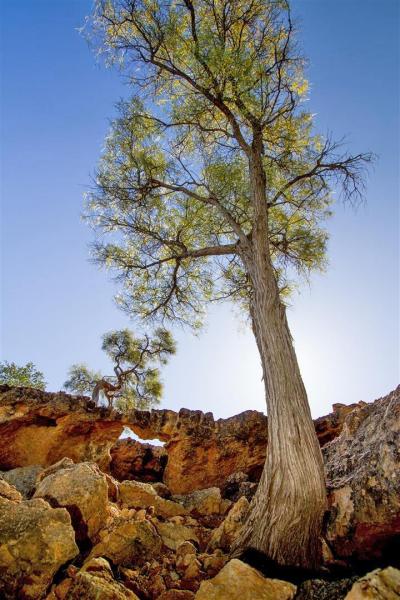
(214, 185)
(25, 376)
(136, 380)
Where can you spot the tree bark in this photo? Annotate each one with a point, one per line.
(285, 517)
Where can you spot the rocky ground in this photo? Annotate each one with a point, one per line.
(86, 515)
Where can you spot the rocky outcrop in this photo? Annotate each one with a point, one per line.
(35, 541)
(363, 478)
(40, 428)
(361, 454)
(86, 535)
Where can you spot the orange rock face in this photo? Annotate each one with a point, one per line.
(40, 428)
(202, 452)
(133, 460)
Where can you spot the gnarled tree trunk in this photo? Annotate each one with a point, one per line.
(286, 513)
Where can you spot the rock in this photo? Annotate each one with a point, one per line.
(203, 452)
(35, 541)
(128, 542)
(176, 595)
(64, 463)
(224, 535)
(146, 582)
(82, 489)
(184, 549)
(187, 564)
(204, 502)
(381, 584)
(213, 563)
(133, 494)
(8, 491)
(330, 426)
(238, 485)
(113, 488)
(23, 479)
(363, 479)
(95, 581)
(174, 534)
(162, 490)
(320, 589)
(41, 428)
(59, 592)
(238, 581)
(131, 459)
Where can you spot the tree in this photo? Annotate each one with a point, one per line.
(213, 185)
(136, 381)
(25, 376)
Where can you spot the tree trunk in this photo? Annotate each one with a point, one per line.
(285, 518)
(286, 513)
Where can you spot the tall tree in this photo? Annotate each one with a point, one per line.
(25, 376)
(136, 381)
(213, 185)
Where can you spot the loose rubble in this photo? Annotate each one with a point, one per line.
(70, 530)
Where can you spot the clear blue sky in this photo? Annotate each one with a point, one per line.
(56, 104)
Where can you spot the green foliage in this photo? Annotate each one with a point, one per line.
(25, 376)
(136, 381)
(220, 85)
(81, 379)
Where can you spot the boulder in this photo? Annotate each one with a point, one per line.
(8, 491)
(381, 584)
(238, 485)
(239, 581)
(23, 479)
(131, 459)
(224, 535)
(128, 542)
(363, 479)
(35, 541)
(82, 489)
(204, 502)
(95, 581)
(174, 534)
(133, 494)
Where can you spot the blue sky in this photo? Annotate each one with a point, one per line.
(56, 102)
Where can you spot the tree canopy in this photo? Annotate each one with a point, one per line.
(212, 80)
(136, 381)
(25, 376)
